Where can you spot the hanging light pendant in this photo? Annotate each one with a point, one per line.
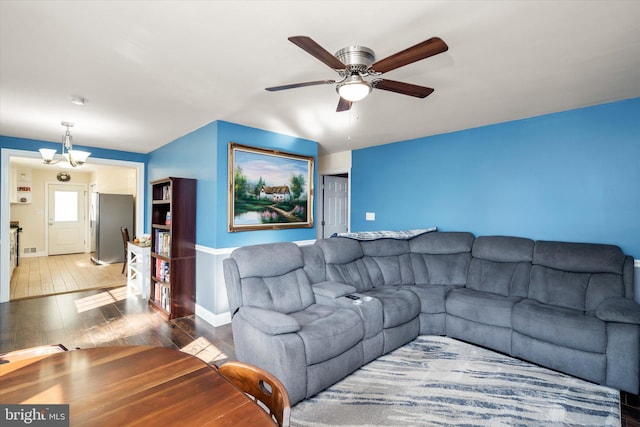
(75, 158)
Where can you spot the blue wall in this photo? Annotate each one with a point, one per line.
(572, 176)
(35, 145)
(191, 156)
(203, 154)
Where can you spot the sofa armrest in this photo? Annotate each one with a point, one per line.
(268, 321)
(621, 310)
(331, 289)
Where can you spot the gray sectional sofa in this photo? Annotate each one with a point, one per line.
(565, 306)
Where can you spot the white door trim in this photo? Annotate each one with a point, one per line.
(320, 200)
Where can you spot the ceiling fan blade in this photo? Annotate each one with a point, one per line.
(427, 48)
(295, 85)
(343, 105)
(313, 48)
(403, 88)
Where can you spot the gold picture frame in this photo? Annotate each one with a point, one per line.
(269, 189)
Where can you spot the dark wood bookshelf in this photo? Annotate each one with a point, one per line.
(173, 252)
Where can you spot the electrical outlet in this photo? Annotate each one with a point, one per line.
(370, 216)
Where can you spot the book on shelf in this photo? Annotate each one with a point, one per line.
(157, 292)
(163, 242)
(161, 296)
(166, 301)
(167, 220)
(162, 270)
(166, 193)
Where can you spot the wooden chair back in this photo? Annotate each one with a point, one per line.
(262, 387)
(125, 239)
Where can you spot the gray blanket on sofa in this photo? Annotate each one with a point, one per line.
(374, 235)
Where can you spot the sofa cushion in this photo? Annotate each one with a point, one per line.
(389, 270)
(328, 331)
(332, 290)
(451, 242)
(481, 307)
(501, 278)
(441, 258)
(398, 305)
(578, 291)
(576, 275)
(384, 247)
(501, 265)
(344, 263)
(620, 310)
(579, 257)
(560, 326)
(340, 250)
(354, 273)
(440, 269)
(503, 249)
(285, 294)
(432, 297)
(269, 322)
(387, 261)
(270, 259)
(314, 264)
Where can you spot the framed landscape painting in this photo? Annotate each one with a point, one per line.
(269, 189)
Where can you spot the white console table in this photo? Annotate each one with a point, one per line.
(138, 269)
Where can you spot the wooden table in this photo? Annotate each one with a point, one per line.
(136, 385)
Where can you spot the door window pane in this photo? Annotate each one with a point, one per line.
(66, 206)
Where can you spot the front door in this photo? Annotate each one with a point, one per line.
(67, 219)
(335, 212)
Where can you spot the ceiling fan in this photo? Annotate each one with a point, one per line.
(354, 63)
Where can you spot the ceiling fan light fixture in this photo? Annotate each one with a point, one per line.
(354, 88)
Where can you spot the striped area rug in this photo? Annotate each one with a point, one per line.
(439, 381)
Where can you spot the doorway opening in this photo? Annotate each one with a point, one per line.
(33, 218)
(335, 202)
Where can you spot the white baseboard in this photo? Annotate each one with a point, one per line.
(33, 254)
(211, 318)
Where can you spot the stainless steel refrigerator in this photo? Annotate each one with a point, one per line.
(109, 212)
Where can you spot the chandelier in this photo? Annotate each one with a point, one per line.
(75, 158)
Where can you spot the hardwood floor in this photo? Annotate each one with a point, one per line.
(62, 273)
(108, 317)
(103, 318)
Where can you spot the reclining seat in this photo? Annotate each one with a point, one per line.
(329, 292)
(278, 326)
(580, 316)
(440, 262)
(498, 278)
(345, 263)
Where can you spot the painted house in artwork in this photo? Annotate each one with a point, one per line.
(277, 194)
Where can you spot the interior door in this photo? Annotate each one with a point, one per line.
(335, 205)
(67, 219)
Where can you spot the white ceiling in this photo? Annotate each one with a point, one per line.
(153, 71)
